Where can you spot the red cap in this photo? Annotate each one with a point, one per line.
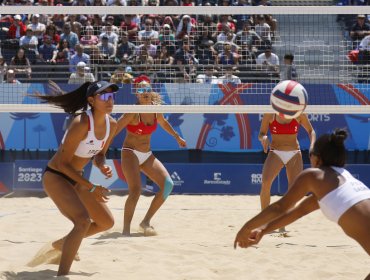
(142, 78)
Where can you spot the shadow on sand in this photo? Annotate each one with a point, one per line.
(39, 275)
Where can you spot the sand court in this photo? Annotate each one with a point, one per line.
(194, 241)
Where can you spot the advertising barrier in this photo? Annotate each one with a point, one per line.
(217, 178)
(188, 178)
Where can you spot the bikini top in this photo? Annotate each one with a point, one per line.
(284, 128)
(91, 146)
(141, 128)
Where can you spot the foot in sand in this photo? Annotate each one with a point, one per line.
(147, 229)
(126, 233)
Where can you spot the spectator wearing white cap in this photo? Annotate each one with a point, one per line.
(82, 75)
(37, 27)
(10, 78)
(167, 37)
(17, 29)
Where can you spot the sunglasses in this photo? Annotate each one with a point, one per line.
(106, 96)
(144, 90)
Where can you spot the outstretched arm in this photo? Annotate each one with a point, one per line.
(300, 187)
(169, 129)
(308, 205)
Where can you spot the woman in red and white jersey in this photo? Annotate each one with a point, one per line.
(283, 149)
(137, 156)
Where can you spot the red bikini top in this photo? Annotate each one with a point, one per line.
(141, 128)
(284, 128)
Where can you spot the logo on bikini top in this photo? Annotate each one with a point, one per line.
(90, 143)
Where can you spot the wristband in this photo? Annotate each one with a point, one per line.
(93, 188)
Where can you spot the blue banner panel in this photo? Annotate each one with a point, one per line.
(117, 181)
(217, 178)
(209, 132)
(6, 177)
(28, 174)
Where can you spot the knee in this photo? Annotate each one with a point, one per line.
(168, 187)
(106, 224)
(82, 222)
(134, 194)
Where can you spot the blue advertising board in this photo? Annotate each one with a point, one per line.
(217, 178)
(28, 174)
(188, 178)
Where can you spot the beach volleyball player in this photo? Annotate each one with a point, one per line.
(288, 99)
(88, 136)
(327, 185)
(137, 156)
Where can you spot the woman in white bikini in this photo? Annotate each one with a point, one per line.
(88, 136)
(137, 156)
(284, 150)
(327, 185)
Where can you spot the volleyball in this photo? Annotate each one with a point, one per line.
(289, 99)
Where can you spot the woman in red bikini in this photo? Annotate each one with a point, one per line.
(137, 156)
(284, 149)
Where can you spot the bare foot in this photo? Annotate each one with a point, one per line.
(147, 229)
(126, 233)
(56, 245)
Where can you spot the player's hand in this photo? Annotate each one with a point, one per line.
(181, 142)
(265, 143)
(107, 171)
(100, 194)
(246, 238)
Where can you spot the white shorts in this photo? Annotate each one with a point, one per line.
(142, 157)
(285, 156)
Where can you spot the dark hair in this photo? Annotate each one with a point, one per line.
(70, 102)
(20, 61)
(289, 56)
(330, 148)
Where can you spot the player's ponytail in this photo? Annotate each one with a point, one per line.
(70, 102)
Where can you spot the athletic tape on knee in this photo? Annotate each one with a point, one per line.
(168, 187)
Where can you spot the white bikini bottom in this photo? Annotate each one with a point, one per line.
(285, 156)
(142, 157)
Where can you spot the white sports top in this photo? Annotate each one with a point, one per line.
(91, 146)
(334, 204)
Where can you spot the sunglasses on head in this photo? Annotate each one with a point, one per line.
(144, 89)
(105, 96)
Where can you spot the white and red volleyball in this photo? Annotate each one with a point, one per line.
(289, 99)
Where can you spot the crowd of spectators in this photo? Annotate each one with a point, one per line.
(169, 48)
